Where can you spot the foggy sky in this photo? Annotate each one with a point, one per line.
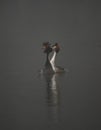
(25, 24)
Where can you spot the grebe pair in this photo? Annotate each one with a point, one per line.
(50, 66)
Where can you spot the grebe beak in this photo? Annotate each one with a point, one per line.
(43, 47)
(54, 47)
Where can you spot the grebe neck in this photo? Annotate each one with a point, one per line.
(52, 61)
(47, 63)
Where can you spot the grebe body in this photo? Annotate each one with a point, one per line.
(56, 69)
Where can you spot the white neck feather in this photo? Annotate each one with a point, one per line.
(52, 61)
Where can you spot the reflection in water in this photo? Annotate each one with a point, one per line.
(53, 97)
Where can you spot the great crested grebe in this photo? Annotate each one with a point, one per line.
(56, 49)
(47, 49)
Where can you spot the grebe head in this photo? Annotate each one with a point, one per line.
(47, 48)
(56, 47)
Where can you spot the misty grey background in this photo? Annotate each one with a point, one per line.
(24, 25)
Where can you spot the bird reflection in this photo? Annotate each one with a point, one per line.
(53, 97)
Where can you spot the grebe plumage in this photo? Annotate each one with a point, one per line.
(56, 49)
(47, 50)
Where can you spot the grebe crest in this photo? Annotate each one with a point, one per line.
(56, 47)
(47, 48)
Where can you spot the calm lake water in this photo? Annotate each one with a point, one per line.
(33, 101)
(30, 101)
